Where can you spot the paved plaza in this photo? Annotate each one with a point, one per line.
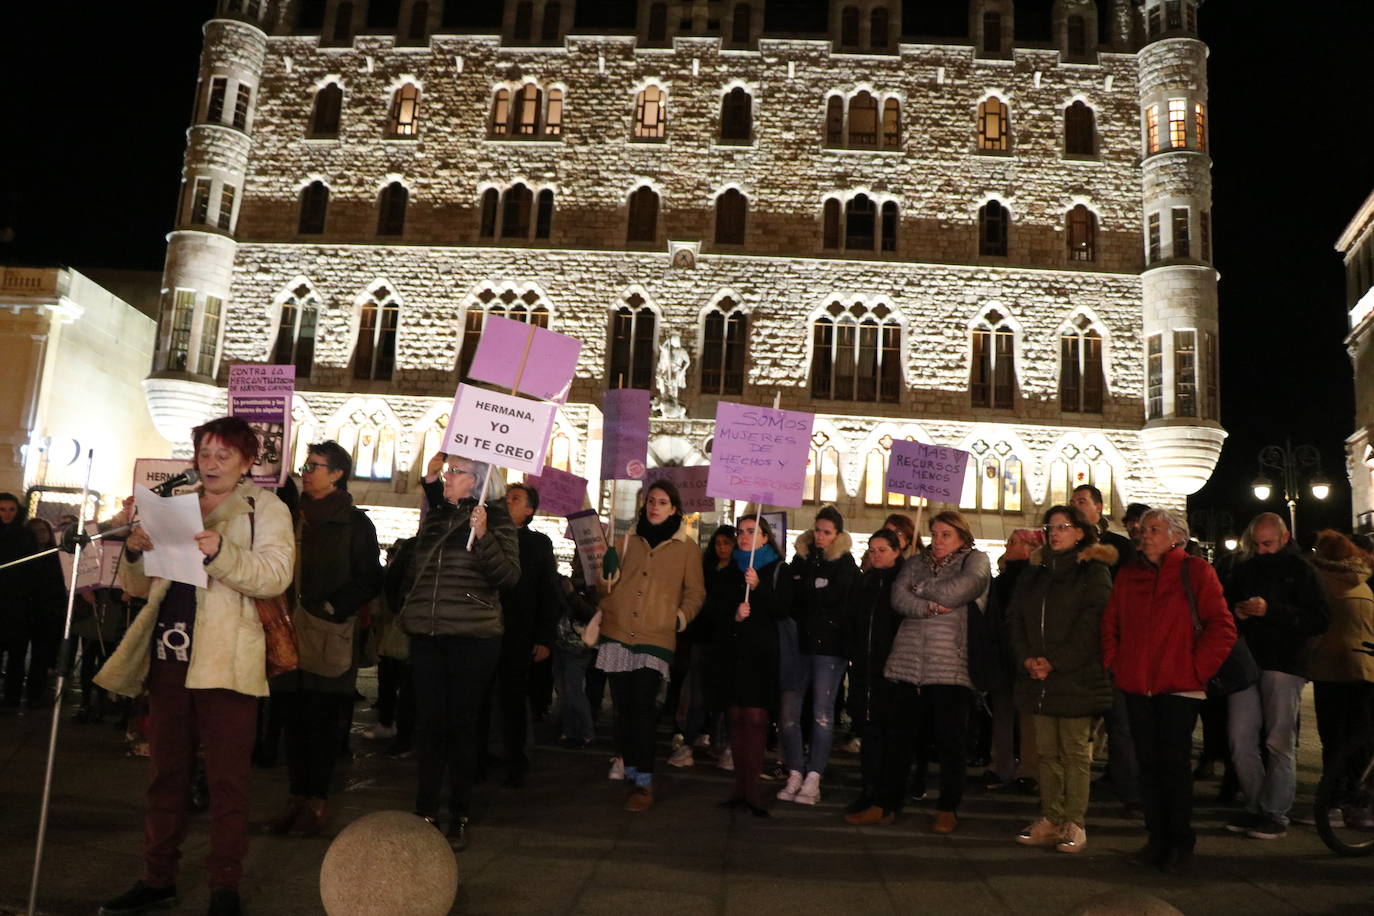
(563, 845)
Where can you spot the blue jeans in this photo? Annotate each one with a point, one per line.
(570, 677)
(822, 674)
(1267, 711)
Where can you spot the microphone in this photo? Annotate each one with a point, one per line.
(185, 478)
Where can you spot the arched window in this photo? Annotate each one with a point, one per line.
(303, 433)
(736, 116)
(643, 216)
(891, 218)
(849, 27)
(892, 124)
(992, 374)
(877, 29)
(651, 114)
(314, 206)
(657, 32)
(993, 126)
(419, 21)
(822, 482)
(553, 26)
(994, 221)
(528, 100)
(830, 231)
(404, 121)
(993, 479)
(860, 217)
(741, 24)
(522, 32)
(491, 199)
(324, 116)
(500, 113)
(724, 339)
(391, 209)
(529, 307)
(856, 354)
(731, 209)
(374, 355)
(296, 328)
(1075, 468)
(1081, 379)
(543, 220)
(633, 338)
(1080, 130)
(875, 478)
(834, 121)
(1082, 224)
(560, 452)
(370, 438)
(553, 114)
(863, 120)
(516, 206)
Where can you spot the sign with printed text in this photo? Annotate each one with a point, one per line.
(625, 434)
(759, 454)
(548, 358)
(588, 533)
(932, 471)
(500, 429)
(88, 575)
(690, 483)
(149, 472)
(262, 396)
(560, 493)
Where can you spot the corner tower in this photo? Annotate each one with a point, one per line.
(1182, 434)
(200, 249)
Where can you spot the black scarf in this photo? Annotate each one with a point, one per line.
(657, 534)
(315, 511)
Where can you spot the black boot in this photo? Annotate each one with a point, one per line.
(140, 899)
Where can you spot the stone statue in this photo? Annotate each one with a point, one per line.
(673, 361)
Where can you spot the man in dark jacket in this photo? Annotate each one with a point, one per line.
(529, 616)
(452, 612)
(1279, 603)
(16, 584)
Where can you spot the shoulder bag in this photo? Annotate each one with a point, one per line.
(275, 614)
(1240, 669)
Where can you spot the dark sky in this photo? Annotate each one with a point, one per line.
(95, 99)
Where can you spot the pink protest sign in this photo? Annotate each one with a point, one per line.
(548, 363)
(932, 471)
(625, 436)
(690, 483)
(262, 396)
(560, 493)
(759, 454)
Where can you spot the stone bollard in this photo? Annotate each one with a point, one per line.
(1125, 903)
(389, 863)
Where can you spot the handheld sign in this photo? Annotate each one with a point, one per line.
(690, 483)
(560, 493)
(932, 471)
(525, 358)
(588, 533)
(262, 396)
(149, 472)
(625, 435)
(499, 429)
(759, 454)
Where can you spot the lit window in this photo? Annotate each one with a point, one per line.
(1080, 368)
(723, 345)
(179, 328)
(553, 115)
(1200, 125)
(296, 330)
(822, 483)
(633, 338)
(528, 100)
(1154, 377)
(856, 354)
(370, 439)
(405, 112)
(374, 354)
(1178, 123)
(992, 374)
(863, 120)
(528, 306)
(651, 117)
(500, 113)
(993, 134)
(1152, 129)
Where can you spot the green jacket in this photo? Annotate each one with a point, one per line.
(1055, 613)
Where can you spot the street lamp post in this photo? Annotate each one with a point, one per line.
(1288, 462)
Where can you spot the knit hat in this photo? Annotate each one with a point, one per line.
(832, 515)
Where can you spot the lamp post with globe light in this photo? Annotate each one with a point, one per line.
(1288, 462)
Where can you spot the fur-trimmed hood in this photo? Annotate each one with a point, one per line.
(1102, 553)
(806, 543)
(1346, 573)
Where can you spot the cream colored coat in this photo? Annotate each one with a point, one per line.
(228, 650)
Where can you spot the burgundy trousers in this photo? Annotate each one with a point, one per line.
(223, 722)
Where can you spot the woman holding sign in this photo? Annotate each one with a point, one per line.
(659, 591)
(201, 655)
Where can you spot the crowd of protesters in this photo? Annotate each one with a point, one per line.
(921, 647)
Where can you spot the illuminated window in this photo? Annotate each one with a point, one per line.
(528, 101)
(724, 340)
(863, 120)
(1081, 374)
(993, 125)
(731, 210)
(391, 209)
(1183, 247)
(200, 202)
(560, 452)
(242, 102)
(1082, 224)
(1200, 125)
(370, 438)
(226, 207)
(822, 483)
(651, 116)
(404, 121)
(214, 107)
(1154, 377)
(1152, 129)
(324, 117)
(528, 306)
(994, 222)
(875, 479)
(314, 207)
(633, 340)
(1185, 373)
(374, 354)
(992, 376)
(993, 480)
(553, 114)
(209, 335)
(856, 354)
(643, 216)
(179, 328)
(500, 113)
(1178, 123)
(1080, 130)
(1153, 240)
(296, 329)
(736, 116)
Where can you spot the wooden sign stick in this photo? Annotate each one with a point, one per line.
(758, 521)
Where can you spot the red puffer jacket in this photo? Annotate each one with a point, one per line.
(1148, 642)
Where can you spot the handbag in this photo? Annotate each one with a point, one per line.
(275, 614)
(325, 646)
(1240, 669)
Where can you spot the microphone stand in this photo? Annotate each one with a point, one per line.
(81, 540)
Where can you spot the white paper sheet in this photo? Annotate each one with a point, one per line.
(172, 523)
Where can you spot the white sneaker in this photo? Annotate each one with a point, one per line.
(703, 740)
(377, 731)
(810, 791)
(617, 768)
(682, 757)
(726, 761)
(676, 742)
(789, 791)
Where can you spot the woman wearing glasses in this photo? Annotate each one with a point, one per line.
(452, 611)
(1053, 624)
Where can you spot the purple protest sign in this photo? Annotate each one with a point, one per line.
(759, 454)
(932, 471)
(262, 396)
(548, 363)
(690, 483)
(625, 434)
(560, 493)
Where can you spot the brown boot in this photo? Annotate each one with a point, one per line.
(945, 822)
(642, 799)
(281, 824)
(311, 819)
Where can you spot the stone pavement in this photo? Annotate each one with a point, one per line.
(563, 845)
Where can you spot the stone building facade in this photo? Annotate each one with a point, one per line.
(991, 241)
(1356, 246)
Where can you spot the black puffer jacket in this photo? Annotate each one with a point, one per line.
(531, 609)
(872, 627)
(1297, 610)
(820, 593)
(453, 591)
(747, 650)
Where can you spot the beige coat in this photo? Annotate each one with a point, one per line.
(658, 593)
(228, 650)
(1332, 655)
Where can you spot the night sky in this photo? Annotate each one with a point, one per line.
(96, 99)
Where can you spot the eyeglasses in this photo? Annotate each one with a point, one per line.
(312, 465)
(454, 472)
(1062, 526)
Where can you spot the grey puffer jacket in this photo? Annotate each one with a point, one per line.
(932, 648)
(453, 591)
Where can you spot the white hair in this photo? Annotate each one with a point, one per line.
(1176, 522)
